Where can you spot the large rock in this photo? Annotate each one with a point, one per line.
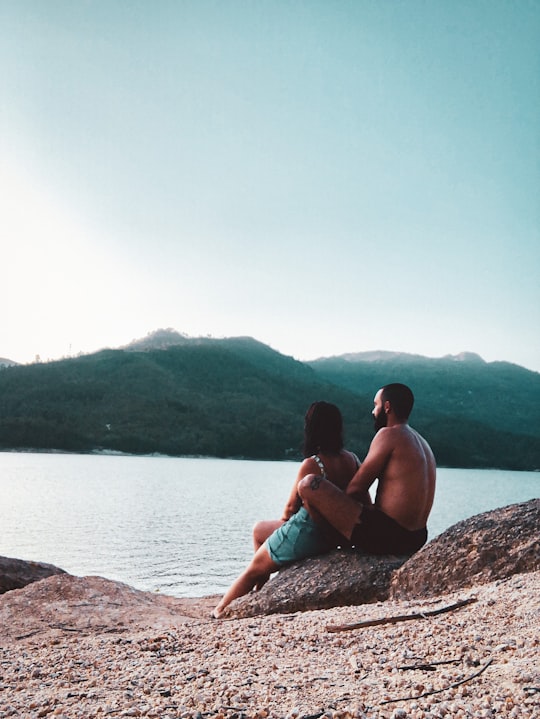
(87, 605)
(489, 546)
(16, 573)
(338, 578)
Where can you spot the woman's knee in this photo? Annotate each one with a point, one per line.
(257, 529)
(262, 530)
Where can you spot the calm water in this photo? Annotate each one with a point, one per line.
(180, 526)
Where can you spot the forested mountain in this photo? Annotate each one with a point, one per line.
(222, 398)
(239, 398)
(475, 414)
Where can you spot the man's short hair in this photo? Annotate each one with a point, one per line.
(400, 397)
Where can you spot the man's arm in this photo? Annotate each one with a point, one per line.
(371, 468)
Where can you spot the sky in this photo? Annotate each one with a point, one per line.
(325, 176)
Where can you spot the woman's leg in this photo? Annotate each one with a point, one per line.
(263, 529)
(256, 574)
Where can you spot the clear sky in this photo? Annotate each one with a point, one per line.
(325, 176)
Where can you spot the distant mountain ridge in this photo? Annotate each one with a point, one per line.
(376, 355)
(164, 338)
(169, 337)
(238, 397)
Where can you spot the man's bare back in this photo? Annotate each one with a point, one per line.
(406, 480)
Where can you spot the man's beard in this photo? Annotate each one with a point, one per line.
(380, 421)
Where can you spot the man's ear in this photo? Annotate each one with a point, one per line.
(387, 407)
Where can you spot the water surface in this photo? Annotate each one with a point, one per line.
(179, 525)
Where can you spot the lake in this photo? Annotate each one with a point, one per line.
(181, 526)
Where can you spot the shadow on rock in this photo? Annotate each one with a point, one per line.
(336, 579)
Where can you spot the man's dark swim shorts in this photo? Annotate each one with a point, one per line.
(377, 533)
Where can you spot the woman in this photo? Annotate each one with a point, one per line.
(296, 535)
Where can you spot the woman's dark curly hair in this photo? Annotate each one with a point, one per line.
(323, 429)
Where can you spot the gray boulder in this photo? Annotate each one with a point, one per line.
(16, 573)
(489, 546)
(339, 578)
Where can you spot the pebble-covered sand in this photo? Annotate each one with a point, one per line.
(482, 660)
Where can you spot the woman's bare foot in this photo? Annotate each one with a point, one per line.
(219, 610)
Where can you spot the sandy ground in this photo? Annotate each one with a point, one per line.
(87, 647)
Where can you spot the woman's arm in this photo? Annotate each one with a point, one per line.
(308, 466)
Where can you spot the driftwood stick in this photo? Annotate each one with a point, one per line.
(430, 666)
(64, 628)
(438, 691)
(30, 634)
(399, 618)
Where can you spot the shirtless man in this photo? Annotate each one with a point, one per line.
(404, 465)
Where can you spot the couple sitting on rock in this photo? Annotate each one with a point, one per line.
(330, 505)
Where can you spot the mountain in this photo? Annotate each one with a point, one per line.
(469, 409)
(376, 355)
(237, 397)
(6, 362)
(371, 356)
(225, 398)
(159, 340)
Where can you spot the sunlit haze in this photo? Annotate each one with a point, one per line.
(326, 177)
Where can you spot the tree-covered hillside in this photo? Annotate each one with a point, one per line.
(475, 414)
(222, 398)
(239, 398)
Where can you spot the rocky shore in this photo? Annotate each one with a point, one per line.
(451, 632)
(87, 647)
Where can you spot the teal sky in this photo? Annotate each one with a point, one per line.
(326, 177)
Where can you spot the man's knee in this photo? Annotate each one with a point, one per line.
(307, 487)
(304, 485)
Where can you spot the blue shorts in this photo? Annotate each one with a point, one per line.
(297, 539)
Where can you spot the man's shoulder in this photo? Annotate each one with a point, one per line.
(397, 434)
(391, 432)
(385, 436)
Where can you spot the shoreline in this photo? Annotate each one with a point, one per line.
(99, 452)
(73, 647)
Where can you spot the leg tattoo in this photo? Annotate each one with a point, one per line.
(315, 483)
